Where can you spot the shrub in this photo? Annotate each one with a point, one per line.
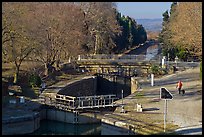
(154, 69)
(35, 80)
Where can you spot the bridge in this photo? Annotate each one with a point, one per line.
(122, 64)
(125, 64)
(110, 58)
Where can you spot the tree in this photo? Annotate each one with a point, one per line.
(101, 24)
(183, 29)
(132, 33)
(57, 29)
(187, 27)
(173, 8)
(165, 16)
(16, 44)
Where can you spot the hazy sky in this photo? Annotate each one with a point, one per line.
(143, 10)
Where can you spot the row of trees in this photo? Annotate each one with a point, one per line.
(132, 33)
(182, 31)
(53, 32)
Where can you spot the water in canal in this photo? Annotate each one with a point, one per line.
(49, 127)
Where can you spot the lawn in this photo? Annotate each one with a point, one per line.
(28, 68)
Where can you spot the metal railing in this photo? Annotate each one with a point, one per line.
(74, 103)
(112, 57)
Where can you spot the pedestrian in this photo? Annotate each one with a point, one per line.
(179, 86)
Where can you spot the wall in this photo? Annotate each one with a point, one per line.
(68, 117)
(102, 84)
(116, 128)
(21, 125)
(110, 84)
(84, 87)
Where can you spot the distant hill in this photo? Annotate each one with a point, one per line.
(154, 25)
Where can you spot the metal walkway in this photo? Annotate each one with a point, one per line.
(70, 103)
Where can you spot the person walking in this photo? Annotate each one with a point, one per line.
(179, 86)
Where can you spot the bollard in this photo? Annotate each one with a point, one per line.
(22, 99)
(152, 79)
(164, 62)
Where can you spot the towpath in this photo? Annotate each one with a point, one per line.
(185, 111)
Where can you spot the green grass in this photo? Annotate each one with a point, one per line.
(139, 94)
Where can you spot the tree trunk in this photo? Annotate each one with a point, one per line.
(46, 69)
(16, 75)
(96, 44)
(57, 67)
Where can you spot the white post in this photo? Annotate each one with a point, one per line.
(165, 113)
(164, 62)
(122, 111)
(79, 57)
(122, 96)
(176, 60)
(152, 79)
(69, 61)
(22, 100)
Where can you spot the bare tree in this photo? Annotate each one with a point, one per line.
(16, 44)
(102, 25)
(57, 29)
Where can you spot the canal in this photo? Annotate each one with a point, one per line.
(50, 127)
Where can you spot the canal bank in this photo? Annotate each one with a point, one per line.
(183, 110)
(23, 121)
(54, 114)
(24, 118)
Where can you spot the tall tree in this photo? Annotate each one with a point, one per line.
(182, 31)
(165, 16)
(132, 33)
(16, 44)
(186, 27)
(102, 25)
(57, 29)
(173, 7)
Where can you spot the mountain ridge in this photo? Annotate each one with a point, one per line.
(154, 25)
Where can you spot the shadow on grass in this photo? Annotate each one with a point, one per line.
(150, 109)
(30, 93)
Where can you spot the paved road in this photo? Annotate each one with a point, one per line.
(183, 110)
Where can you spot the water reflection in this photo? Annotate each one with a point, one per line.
(49, 127)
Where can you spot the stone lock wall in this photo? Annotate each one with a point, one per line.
(84, 87)
(21, 125)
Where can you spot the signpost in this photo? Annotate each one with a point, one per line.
(166, 95)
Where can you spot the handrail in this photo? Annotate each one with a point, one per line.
(82, 102)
